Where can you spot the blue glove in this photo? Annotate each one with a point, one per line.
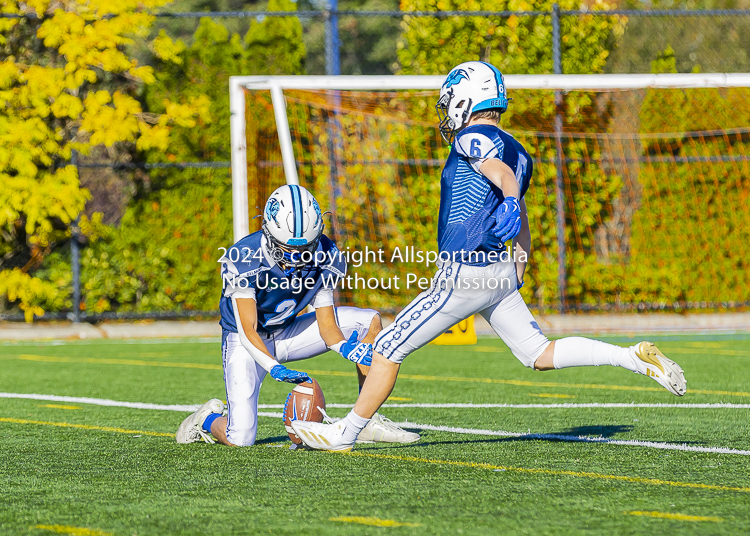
(282, 374)
(520, 285)
(356, 352)
(507, 219)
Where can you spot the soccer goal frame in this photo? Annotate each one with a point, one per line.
(558, 83)
(277, 84)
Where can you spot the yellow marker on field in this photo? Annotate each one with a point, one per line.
(679, 517)
(58, 406)
(86, 427)
(461, 334)
(373, 521)
(73, 531)
(551, 395)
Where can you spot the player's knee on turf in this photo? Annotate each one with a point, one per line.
(242, 438)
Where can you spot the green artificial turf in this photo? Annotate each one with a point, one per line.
(111, 477)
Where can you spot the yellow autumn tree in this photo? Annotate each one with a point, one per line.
(67, 83)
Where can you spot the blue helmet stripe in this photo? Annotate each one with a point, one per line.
(494, 72)
(297, 205)
(502, 100)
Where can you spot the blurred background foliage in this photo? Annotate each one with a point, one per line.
(151, 237)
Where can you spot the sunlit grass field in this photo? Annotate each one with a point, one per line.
(82, 467)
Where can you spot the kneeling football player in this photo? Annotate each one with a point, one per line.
(269, 277)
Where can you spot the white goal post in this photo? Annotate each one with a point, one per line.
(277, 84)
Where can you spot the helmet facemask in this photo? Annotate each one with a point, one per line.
(289, 258)
(448, 126)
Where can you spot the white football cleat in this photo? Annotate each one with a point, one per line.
(656, 365)
(191, 429)
(383, 430)
(322, 436)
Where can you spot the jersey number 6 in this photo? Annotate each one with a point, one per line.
(476, 149)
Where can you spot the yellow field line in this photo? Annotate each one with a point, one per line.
(58, 406)
(702, 344)
(680, 517)
(419, 377)
(739, 353)
(73, 531)
(579, 474)
(86, 427)
(487, 349)
(131, 362)
(373, 521)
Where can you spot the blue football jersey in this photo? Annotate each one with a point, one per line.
(279, 297)
(468, 199)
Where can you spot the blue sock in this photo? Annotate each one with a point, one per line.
(209, 421)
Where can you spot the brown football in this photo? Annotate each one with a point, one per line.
(302, 404)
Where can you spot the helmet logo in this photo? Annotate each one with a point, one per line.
(454, 77)
(272, 209)
(317, 211)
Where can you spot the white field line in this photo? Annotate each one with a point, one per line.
(102, 402)
(85, 342)
(576, 439)
(450, 429)
(177, 407)
(719, 405)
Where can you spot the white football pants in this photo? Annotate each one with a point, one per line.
(457, 292)
(301, 340)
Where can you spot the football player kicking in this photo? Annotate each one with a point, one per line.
(268, 278)
(482, 188)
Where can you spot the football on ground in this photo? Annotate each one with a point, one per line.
(304, 403)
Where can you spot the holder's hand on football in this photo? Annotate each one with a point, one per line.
(507, 219)
(354, 351)
(282, 374)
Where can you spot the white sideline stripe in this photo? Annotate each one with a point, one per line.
(86, 342)
(576, 439)
(193, 407)
(102, 402)
(718, 405)
(450, 429)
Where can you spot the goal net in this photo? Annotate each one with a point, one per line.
(649, 175)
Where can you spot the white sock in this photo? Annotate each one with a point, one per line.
(353, 425)
(582, 352)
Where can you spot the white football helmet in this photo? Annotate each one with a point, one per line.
(470, 87)
(292, 225)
